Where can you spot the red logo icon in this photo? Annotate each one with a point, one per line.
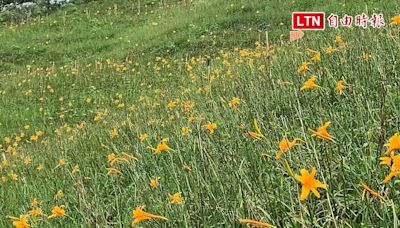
(308, 21)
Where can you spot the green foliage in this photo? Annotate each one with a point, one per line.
(112, 65)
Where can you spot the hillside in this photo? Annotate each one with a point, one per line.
(186, 108)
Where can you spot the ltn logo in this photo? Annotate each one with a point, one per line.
(308, 20)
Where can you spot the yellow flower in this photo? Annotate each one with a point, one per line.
(35, 202)
(316, 57)
(340, 86)
(143, 137)
(396, 20)
(234, 102)
(302, 68)
(57, 211)
(255, 223)
(27, 160)
(61, 162)
(14, 176)
(310, 83)
(139, 215)
(393, 143)
(329, 49)
(112, 158)
(36, 212)
(80, 125)
(172, 104)
(155, 182)
(7, 140)
(176, 198)
(322, 133)
(211, 127)
(21, 222)
(114, 133)
(59, 194)
(34, 138)
(285, 145)
(185, 130)
(309, 183)
(161, 147)
(338, 39)
(385, 161)
(391, 175)
(75, 169)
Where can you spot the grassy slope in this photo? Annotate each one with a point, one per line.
(229, 178)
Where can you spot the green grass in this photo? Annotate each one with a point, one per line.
(232, 175)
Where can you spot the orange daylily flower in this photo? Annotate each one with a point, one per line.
(309, 183)
(255, 223)
(369, 190)
(285, 145)
(112, 158)
(161, 147)
(57, 211)
(37, 211)
(139, 215)
(316, 57)
(385, 160)
(340, 86)
(395, 167)
(310, 83)
(114, 133)
(234, 102)
(154, 182)
(21, 222)
(211, 127)
(176, 198)
(393, 143)
(322, 133)
(302, 68)
(395, 20)
(391, 175)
